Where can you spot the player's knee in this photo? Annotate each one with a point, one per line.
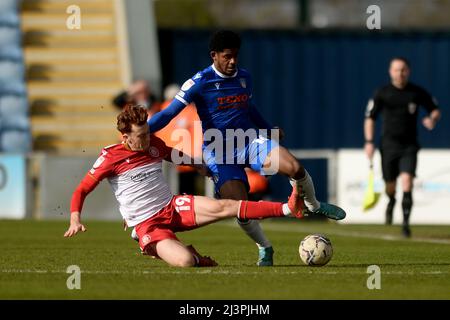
(295, 169)
(227, 208)
(184, 260)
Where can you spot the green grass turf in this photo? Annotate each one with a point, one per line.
(35, 256)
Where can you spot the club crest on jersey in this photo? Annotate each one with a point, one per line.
(243, 83)
(412, 107)
(217, 85)
(154, 152)
(146, 239)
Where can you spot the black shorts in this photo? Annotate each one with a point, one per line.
(395, 161)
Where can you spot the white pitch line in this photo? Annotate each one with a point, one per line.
(213, 272)
(353, 234)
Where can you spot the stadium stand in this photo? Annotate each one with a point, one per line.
(14, 118)
(72, 74)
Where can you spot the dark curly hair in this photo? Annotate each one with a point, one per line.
(131, 114)
(224, 39)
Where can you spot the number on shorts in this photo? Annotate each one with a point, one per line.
(181, 202)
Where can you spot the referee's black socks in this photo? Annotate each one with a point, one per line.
(390, 209)
(407, 204)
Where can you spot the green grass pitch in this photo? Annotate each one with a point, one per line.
(35, 257)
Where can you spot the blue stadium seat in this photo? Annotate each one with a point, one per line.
(13, 103)
(11, 70)
(15, 141)
(9, 18)
(11, 64)
(14, 118)
(14, 121)
(9, 5)
(9, 35)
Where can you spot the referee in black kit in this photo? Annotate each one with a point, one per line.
(398, 103)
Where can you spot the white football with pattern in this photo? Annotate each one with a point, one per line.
(315, 250)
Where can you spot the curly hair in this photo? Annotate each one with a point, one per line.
(224, 39)
(131, 114)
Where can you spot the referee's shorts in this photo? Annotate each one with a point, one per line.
(396, 161)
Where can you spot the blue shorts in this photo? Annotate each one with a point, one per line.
(233, 167)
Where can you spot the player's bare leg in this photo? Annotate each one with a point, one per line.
(174, 253)
(288, 165)
(177, 254)
(209, 210)
(390, 187)
(407, 201)
(235, 189)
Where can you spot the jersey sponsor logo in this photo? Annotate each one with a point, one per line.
(154, 152)
(236, 101)
(243, 82)
(412, 107)
(187, 85)
(141, 176)
(217, 85)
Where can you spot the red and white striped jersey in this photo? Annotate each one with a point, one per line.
(136, 179)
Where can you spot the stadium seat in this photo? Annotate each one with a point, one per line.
(14, 119)
(9, 18)
(11, 70)
(15, 141)
(14, 122)
(9, 36)
(12, 103)
(9, 6)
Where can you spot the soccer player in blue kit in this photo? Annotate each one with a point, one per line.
(222, 94)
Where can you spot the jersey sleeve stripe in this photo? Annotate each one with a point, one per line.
(181, 100)
(92, 176)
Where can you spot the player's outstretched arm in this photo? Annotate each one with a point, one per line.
(180, 158)
(86, 186)
(75, 225)
(258, 119)
(261, 123)
(161, 119)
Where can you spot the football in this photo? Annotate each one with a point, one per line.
(315, 250)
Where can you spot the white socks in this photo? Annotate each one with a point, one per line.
(254, 231)
(307, 186)
(286, 210)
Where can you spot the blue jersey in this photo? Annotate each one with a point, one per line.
(223, 102)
